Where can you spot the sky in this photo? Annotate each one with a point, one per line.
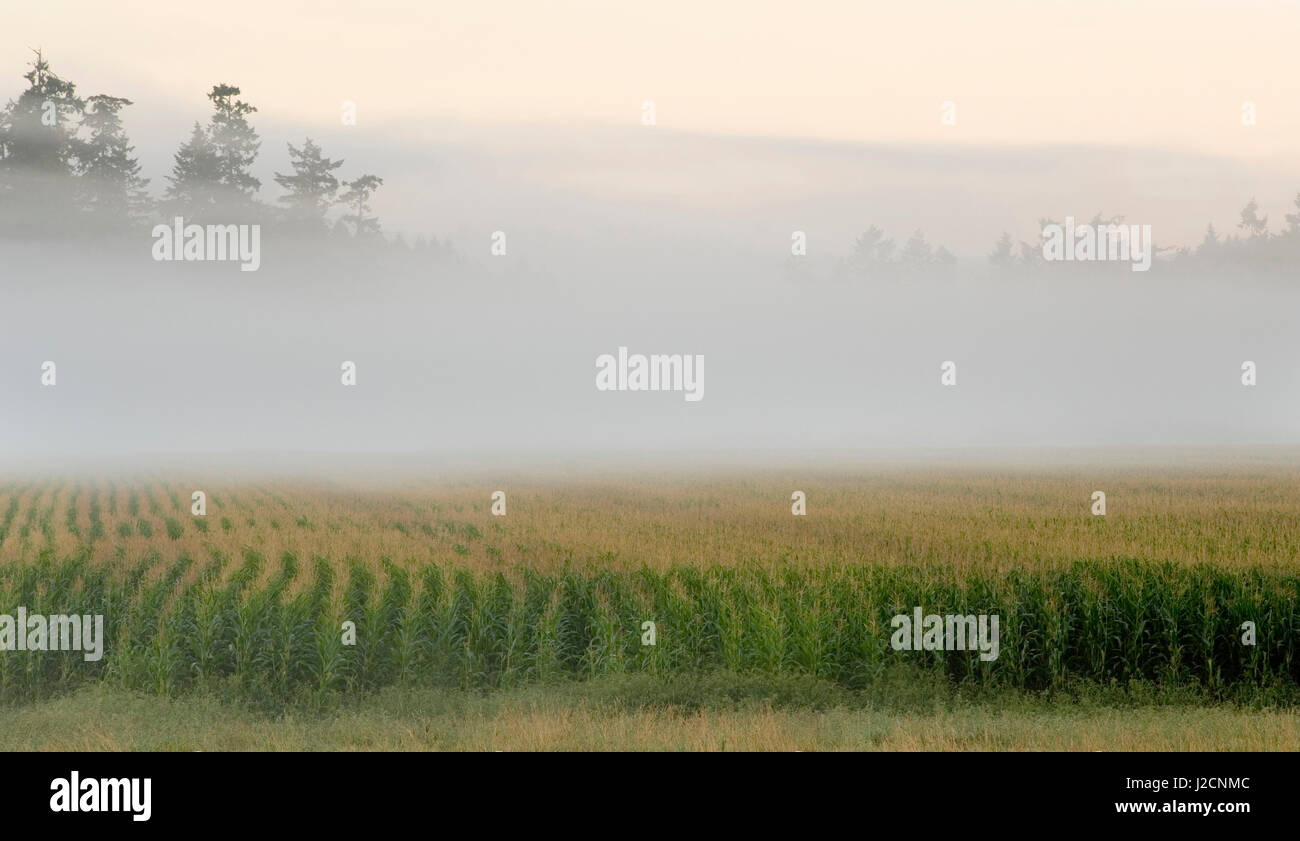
(1153, 73)
(470, 109)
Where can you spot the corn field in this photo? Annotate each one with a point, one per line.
(1098, 621)
(187, 608)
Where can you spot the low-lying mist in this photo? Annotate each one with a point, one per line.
(489, 356)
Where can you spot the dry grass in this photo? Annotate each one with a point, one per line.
(98, 719)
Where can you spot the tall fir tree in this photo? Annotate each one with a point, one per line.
(235, 144)
(312, 188)
(357, 200)
(193, 189)
(1002, 255)
(110, 188)
(1252, 223)
(211, 178)
(37, 151)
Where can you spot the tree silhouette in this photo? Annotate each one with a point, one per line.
(872, 249)
(235, 144)
(1209, 246)
(916, 253)
(312, 188)
(66, 165)
(1293, 219)
(37, 153)
(109, 185)
(193, 187)
(1251, 222)
(357, 199)
(210, 174)
(1002, 255)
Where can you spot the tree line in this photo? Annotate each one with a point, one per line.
(1253, 244)
(66, 159)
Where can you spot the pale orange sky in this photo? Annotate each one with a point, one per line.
(1162, 74)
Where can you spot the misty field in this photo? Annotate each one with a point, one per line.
(248, 603)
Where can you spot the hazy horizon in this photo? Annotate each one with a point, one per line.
(675, 238)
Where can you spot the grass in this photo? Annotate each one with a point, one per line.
(618, 714)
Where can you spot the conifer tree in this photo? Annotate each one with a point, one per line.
(109, 186)
(211, 175)
(37, 152)
(312, 188)
(1002, 254)
(916, 253)
(357, 200)
(1293, 219)
(235, 144)
(193, 186)
(1251, 222)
